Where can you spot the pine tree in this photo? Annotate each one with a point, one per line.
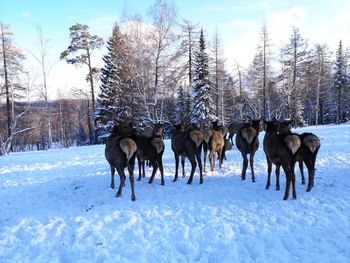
(111, 99)
(204, 108)
(340, 80)
(80, 52)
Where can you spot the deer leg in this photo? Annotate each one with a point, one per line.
(143, 168)
(288, 173)
(269, 168)
(277, 171)
(193, 167)
(112, 176)
(220, 158)
(308, 164)
(183, 166)
(122, 181)
(131, 165)
(293, 185)
(292, 165)
(211, 157)
(245, 165)
(199, 161)
(230, 138)
(251, 162)
(205, 151)
(155, 167)
(176, 166)
(301, 168)
(139, 163)
(160, 164)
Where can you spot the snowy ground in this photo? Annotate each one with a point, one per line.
(57, 206)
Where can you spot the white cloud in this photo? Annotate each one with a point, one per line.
(26, 13)
(280, 23)
(103, 25)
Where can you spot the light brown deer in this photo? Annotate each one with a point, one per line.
(214, 141)
(281, 150)
(120, 153)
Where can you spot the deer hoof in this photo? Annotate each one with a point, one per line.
(174, 180)
(308, 189)
(277, 188)
(118, 195)
(133, 198)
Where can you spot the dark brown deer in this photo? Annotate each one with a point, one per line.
(281, 150)
(233, 129)
(151, 149)
(247, 142)
(214, 141)
(120, 153)
(310, 145)
(187, 142)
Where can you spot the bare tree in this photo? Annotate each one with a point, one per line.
(163, 13)
(218, 69)
(46, 66)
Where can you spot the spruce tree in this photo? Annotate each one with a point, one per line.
(203, 106)
(110, 103)
(340, 80)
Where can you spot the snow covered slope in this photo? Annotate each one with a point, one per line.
(57, 206)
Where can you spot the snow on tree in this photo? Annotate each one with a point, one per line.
(340, 81)
(111, 103)
(204, 108)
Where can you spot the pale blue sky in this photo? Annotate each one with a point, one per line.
(238, 22)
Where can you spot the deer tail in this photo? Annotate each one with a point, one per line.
(196, 137)
(293, 142)
(249, 133)
(312, 142)
(128, 146)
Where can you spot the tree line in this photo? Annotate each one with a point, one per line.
(168, 71)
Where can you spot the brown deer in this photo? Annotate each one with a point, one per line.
(187, 142)
(150, 148)
(310, 145)
(233, 129)
(120, 153)
(247, 142)
(214, 141)
(281, 150)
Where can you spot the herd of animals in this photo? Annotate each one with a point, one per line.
(281, 146)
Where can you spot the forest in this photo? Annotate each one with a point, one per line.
(169, 71)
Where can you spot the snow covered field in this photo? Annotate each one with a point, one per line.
(57, 206)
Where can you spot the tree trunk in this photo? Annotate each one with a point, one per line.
(7, 85)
